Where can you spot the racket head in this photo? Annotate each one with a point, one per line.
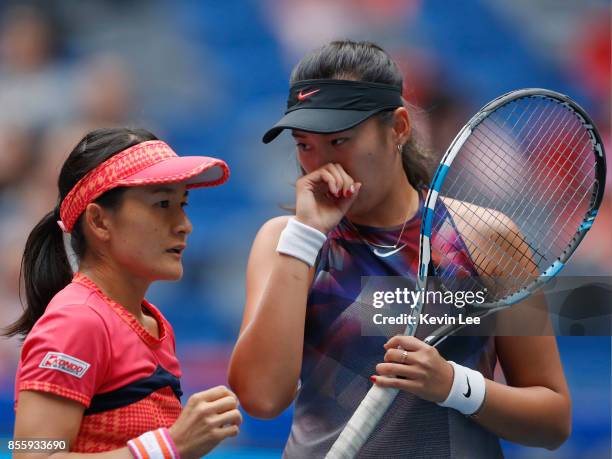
(530, 165)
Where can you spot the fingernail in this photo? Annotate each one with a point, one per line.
(352, 189)
(373, 379)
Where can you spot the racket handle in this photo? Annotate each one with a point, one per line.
(362, 423)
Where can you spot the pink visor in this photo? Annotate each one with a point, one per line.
(147, 163)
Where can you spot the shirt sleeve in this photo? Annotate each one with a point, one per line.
(67, 353)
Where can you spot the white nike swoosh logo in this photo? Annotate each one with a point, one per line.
(387, 254)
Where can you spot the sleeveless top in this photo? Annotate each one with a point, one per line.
(338, 359)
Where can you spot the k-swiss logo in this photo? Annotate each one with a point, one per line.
(305, 96)
(65, 363)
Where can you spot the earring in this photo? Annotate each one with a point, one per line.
(399, 148)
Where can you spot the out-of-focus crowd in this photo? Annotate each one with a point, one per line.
(210, 77)
(47, 102)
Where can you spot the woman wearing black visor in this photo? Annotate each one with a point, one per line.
(357, 213)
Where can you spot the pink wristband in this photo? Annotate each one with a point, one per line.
(166, 433)
(156, 444)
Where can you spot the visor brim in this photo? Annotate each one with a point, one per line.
(318, 120)
(195, 171)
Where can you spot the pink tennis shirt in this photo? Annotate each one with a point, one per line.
(88, 348)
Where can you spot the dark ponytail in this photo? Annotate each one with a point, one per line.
(45, 269)
(366, 61)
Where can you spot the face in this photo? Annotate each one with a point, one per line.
(366, 152)
(148, 233)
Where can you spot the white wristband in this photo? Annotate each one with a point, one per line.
(301, 241)
(156, 444)
(468, 391)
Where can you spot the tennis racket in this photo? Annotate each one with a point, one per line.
(521, 184)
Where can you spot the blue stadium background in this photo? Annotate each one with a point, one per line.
(209, 77)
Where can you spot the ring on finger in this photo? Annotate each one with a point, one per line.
(404, 356)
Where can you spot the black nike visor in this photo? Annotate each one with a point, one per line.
(328, 106)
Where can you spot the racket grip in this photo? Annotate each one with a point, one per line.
(362, 423)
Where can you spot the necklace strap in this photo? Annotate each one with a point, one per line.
(390, 248)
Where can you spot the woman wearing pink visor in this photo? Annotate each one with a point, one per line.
(98, 368)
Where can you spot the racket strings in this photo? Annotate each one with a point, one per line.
(530, 148)
(535, 124)
(565, 161)
(492, 216)
(550, 172)
(516, 172)
(473, 231)
(527, 171)
(549, 159)
(542, 192)
(483, 262)
(551, 212)
(487, 262)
